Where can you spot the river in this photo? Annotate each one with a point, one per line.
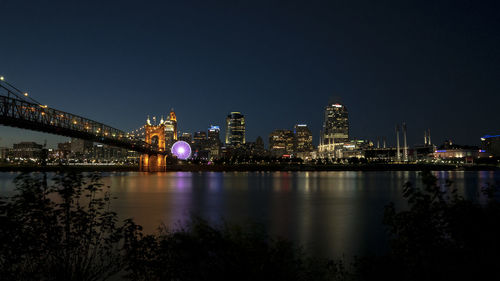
(331, 214)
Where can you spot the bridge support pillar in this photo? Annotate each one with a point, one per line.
(152, 163)
(154, 135)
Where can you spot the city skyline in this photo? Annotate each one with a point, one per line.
(431, 65)
(7, 140)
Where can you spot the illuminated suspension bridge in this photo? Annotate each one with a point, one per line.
(18, 109)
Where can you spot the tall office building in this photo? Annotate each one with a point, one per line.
(213, 135)
(187, 137)
(335, 129)
(213, 140)
(170, 129)
(200, 140)
(303, 138)
(235, 129)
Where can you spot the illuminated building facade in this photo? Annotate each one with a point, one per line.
(491, 144)
(200, 140)
(456, 153)
(235, 129)
(213, 139)
(461, 153)
(354, 148)
(170, 129)
(335, 130)
(303, 138)
(26, 150)
(214, 134)
(187, 137)
(101, 153)
(281, 142)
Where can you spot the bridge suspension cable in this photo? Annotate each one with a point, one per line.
(137, 132)
(19, 110)
(20, 94)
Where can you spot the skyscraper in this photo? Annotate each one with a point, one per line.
(336, 125)
(335, 129)
(171, 129)
(214, 143)
(213, 134)
(200, 140)
(235, 129)
(303, 138)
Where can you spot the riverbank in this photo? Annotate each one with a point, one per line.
(333, 167)
(79, 168)
(253, 167)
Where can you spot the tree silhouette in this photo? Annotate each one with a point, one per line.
(64, 230)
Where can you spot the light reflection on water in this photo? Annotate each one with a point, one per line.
(330, 213)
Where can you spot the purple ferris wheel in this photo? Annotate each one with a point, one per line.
(181, 149)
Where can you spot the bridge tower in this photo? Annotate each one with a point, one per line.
(155, 136)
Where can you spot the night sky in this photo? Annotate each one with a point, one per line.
(433, 64)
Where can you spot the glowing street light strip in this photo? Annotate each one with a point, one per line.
(181, 149)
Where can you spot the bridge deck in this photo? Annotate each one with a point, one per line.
(32, 116)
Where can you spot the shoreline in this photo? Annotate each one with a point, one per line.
(255, 168)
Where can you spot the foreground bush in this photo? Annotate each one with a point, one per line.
(200, 251)
(61, 231)
(441, 236)
(66, 231)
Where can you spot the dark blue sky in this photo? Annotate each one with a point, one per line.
(433, 64)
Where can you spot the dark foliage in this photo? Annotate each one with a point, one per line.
(66, 231)
(61, 231)
(441, 236)
(200, 251)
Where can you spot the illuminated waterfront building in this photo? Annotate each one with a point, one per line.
(303, 138)
(281, 142)
(26, 151)
(102, 153)
(335, 130)
(354, 148)
(235, 129)
(491, 144)
(452, 152)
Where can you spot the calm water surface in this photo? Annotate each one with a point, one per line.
(331, 214)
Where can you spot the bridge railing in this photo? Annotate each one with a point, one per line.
(23, 114)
